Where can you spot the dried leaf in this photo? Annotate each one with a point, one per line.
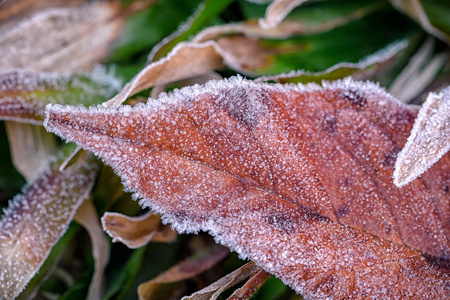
(87, 216)
(214, 290)
(36, 219)
(135, 232)
(182, 271)
(23, 94)
(76, 38)
(251, 286)
(297, 179)
(429, 139)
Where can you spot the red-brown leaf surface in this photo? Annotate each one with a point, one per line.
(296, 178)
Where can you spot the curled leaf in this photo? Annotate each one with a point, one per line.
(24, 94)
(184, 270)
(296, 178)
(135, 232)
(36, 219)
(214, 290)
(429, 139)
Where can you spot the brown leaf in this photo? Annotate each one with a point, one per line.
(213, 291)
(182, 271)
(429, 139)
(251, 286)
(296, 178)
(36, 219)
(135, 232)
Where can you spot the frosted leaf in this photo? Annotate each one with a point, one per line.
(136, 232)
(429, 139)
(23, 94)
(76, 38)
(295, 178)
(36, 219)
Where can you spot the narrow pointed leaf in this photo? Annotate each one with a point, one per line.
(429, 139)
(36, 219)
(297, 179)
(23, 94)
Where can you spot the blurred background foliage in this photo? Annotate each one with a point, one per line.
(334, 32)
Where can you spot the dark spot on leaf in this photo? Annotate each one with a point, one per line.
(342, 210)
(388, 229)
(446, 189)
(390, 157)
(244, 105)
(354, 96)
(281, 222)
(329, 123)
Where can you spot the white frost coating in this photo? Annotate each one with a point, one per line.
(192, 154)
(35, 220)
(429, 139)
